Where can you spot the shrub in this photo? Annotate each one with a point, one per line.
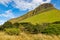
(7, 25)
(16, 25)
(37, 28)
(52, 29)
(57, 22)
(33, 29)
(28, 27)
(1, 28)
(12, 31)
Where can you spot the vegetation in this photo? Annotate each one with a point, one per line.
(46, 28)
(57, 22)
(52, 29)
(42, 22)
(46, 31)
(16, 25)
(24, 36)
(33, 29)
(7, 25)
(12, 31)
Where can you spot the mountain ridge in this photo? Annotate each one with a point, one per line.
(42, 8)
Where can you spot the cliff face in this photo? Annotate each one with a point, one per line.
(43, 7)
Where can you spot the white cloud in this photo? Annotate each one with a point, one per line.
(5, 2)
(8, 14)
(2, 22)
(23, 5)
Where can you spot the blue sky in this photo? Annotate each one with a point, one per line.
(14, 8)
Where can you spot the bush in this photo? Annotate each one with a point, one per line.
(37, 29)
(57, 22)
(7, 25)
(16, 25)
(1, 28)
(52, 29)
(33, 29)
(12, 31)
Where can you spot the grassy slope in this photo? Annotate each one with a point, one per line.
(47, 16)
(24, 36)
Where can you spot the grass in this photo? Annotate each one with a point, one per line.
(45, 17)
(24, 36)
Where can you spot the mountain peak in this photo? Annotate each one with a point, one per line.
(43, 7)
(46, 5)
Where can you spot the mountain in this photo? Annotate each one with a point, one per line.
(45, 13)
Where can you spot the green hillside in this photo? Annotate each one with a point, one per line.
(45, 13)
(45, 17)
